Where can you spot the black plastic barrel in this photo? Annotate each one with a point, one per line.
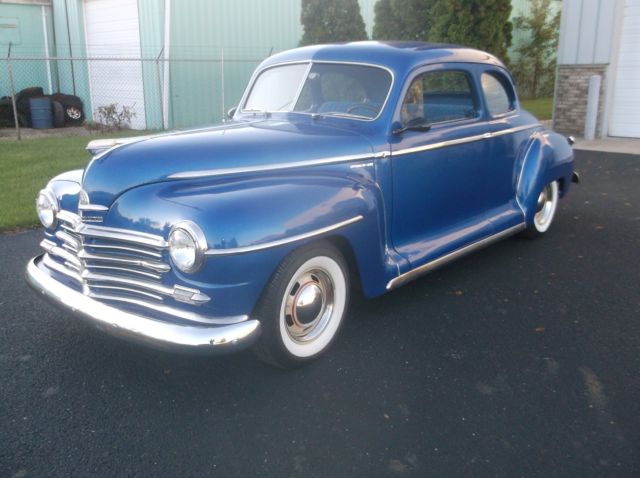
(41, 113)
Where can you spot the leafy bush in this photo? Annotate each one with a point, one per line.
(534, 69)
(112, 118)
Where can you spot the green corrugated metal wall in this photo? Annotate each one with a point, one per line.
(238, 31)
(243, 31)
(22, 26)
(151, 24)
(72, 79)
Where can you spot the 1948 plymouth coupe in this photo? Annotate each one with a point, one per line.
(362, 163)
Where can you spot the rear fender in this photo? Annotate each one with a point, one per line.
(547, 157)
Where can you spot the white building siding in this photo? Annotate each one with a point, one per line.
(625, 119)
(586, 31)
(112, 31)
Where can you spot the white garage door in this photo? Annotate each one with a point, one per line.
(625, 115)
(111, 28)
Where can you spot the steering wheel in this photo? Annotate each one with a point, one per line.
(366, 106)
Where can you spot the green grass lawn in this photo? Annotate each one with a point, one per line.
(28, 165)
(541, 108)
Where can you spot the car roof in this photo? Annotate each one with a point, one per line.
(399, 56)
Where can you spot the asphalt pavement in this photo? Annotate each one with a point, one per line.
(519, 361)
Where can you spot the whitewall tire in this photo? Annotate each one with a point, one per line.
(546, 207)
(303, 306)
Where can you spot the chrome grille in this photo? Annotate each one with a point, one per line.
(116, 264)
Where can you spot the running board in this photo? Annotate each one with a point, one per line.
(452, 256)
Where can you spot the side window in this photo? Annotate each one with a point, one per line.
(498, 93)
(439, 96)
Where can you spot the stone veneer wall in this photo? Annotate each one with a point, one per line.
(572, 88)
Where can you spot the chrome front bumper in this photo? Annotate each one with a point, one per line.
(205, 339)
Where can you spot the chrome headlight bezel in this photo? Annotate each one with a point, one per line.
(190, 230)
(49, 198)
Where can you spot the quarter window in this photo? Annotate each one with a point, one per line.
(439, 96)
(498, 95)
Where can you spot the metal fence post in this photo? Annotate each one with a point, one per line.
(224, 114)
(13, 93)
(160, 91)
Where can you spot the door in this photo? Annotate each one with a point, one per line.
(510, 131)
(439, 199)
(112, 31)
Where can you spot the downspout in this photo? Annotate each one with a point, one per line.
(46, 48)
(73, 74)
(166, 70)
(55, 47)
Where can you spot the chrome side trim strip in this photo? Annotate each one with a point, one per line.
(430, 266)
(347, 158)
(276, 167)
(92, 207)
(280, 242)
(208, 335)
(467, 139)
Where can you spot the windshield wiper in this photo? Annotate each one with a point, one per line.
(415, 124)
(337, 114)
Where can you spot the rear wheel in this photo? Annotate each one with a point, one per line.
(546, 207)
(303, 306)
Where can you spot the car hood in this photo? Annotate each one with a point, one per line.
(227, 149)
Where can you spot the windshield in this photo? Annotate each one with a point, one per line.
(337, 89)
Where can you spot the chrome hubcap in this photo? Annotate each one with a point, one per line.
(545, 206)
(309, 305)
(74, 113)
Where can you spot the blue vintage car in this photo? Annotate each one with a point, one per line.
(363, 164)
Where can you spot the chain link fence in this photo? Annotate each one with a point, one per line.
(138, 93)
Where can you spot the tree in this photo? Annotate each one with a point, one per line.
(327, 21)
(402, 20)
(534, 69)
(482, 24)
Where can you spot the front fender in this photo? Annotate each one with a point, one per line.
(236, 215)
(547, 157)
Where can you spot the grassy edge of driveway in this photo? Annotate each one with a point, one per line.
(28, 165)
(541, 108)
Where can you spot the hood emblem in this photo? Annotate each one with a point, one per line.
(85, 207)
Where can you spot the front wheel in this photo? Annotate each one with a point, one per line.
(545, 211)
(303, 306)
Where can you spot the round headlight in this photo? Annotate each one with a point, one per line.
(47, 208)
(187, 246)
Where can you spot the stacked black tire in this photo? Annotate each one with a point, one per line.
(68, 110)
